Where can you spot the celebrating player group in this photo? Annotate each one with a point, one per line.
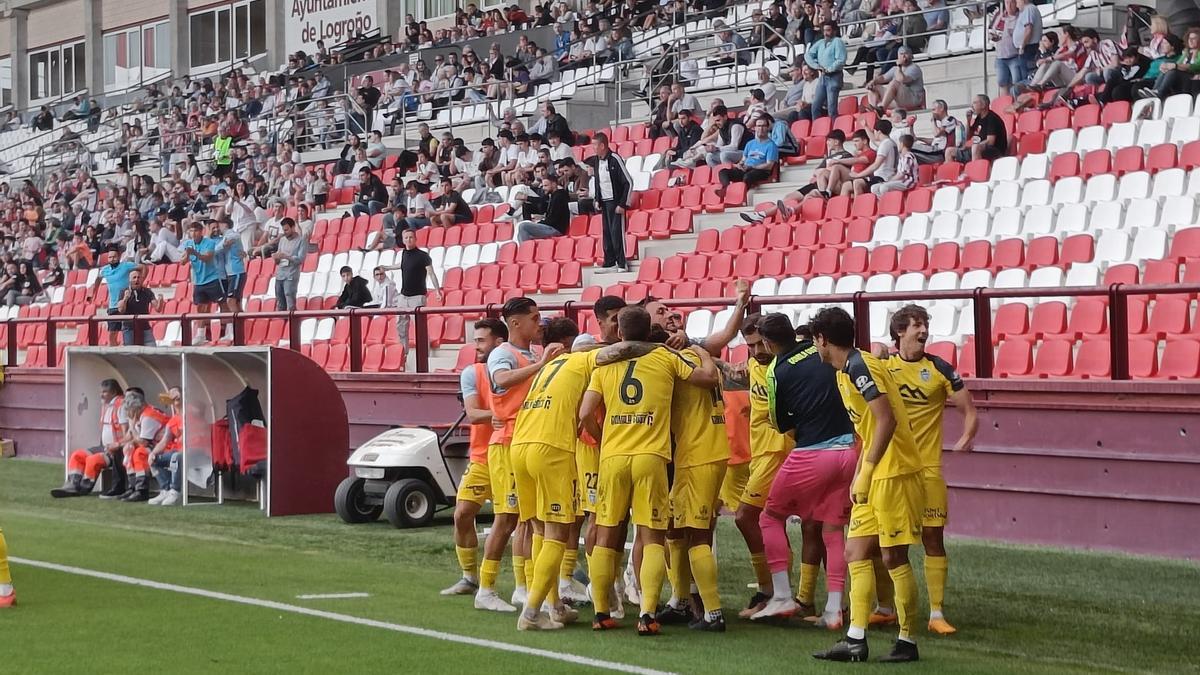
(648, 428)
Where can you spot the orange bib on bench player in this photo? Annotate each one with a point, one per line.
(481, 434)
(506, 406)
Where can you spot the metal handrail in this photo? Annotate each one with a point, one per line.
(980, 298)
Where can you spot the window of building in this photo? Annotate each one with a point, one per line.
(222, 35)
(57, 72)
(136, 55)
(6, 97)
(437, 9)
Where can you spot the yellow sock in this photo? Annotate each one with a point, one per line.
(519, 571)
(808, 583)
(761, 572)
(885, 591)
(5, 575)
(862, 590)
(906, 599)
(704, 571)
(488, 571)
(466, 560)
(654, 568)
(587, 560)
(935, 580)
(602, 566)
(534, 549)
(570, 558)
(545, 572)
(677, 560)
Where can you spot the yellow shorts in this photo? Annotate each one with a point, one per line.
(525, 487)
(633, 481)
(695, 493)
(936, 497)
(504, 487)
(734, 484)
(892, 511)
(553, 476)
(587, 467)
(762, 473)
(476, 484)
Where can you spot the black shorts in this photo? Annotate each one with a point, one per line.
(464, 218)
(873, 180)
(234, 286)
(114, 326)
(209, 293)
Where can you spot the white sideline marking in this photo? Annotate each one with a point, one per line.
(344, 618)
(333, 596)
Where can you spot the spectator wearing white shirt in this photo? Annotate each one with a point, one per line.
(383, 290)
(418, 207)
(376, 150)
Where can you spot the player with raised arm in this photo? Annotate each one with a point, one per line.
(635, 447)
(511, 368)
(814, 481)
(475, 488)
(926, 382)
(885, 517)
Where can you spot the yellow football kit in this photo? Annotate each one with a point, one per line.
(925, 385)
(476, 484)
(636, 445)
(768, 448)
(546, 434)
(895, 501)
(701, 454)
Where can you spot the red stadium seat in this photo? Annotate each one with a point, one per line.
(1170, 316)
(884, 259)
(1097, 162)
(1014, 358)
(1064, 166)
(1127, 160)
(1094, 360)
(1143, 358)
(1161, 157)
(1054, 358)
(1011, 320)
(1180, 360)
(1048, 318)
(856, 260)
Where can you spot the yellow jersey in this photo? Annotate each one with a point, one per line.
(863, 380)
(550, 412)
(764, 438)
(698, 425)
(637, 402)
(924, 386)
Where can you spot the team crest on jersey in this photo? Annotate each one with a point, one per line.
(512, 501)
(555, 508)
(926, 375)
(861, 381)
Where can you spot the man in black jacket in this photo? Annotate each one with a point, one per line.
(556, 219)
(611, 188)
(557, 123)
(356, 292)
(372, 193)
(687, 133)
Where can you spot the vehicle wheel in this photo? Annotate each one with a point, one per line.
(409, 503)
(351, 503)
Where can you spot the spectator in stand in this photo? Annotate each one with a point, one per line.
(367, 97)
(687, 134)
(1180, 76)
(164, 243)
(660, 116)
(760, 158)
(54, 274)
(1099, 57)
(556, 219)
(989, 139)
(903, 86)
(416, 271)
(372, 194)
(207, 289)
(355, 292)
(232, 255)
(709, 138)
(376, 150)
(612, 192)
(880, 171)
(115, 275)
(767, 32)
(417, 207)
(451, 208)
(557, 124)
(289, 257)
(44, 120)
(827, 56)
(948, 133)
(138, 300)
(1008, 58)
(905, 177)
(732, 49)
(937, 16)
(383, 290)
(1026, 36)
(81, 110)
(797, 101)
(1120, 82)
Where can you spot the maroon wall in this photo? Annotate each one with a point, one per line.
(1105, 465)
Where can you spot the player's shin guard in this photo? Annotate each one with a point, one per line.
(906, 600)
(569, 559)
(885, 591)
(679, 570)
(935, 580)
(488, 572)
(545, 572)
(519, 577)
(762, 572)
(466, 560)
(704, 571)
(5, 575)
(535, 548)
(603, 570)
(654, 568)
(862, 591)
(808, 583)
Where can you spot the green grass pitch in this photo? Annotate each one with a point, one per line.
(1018, 609)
